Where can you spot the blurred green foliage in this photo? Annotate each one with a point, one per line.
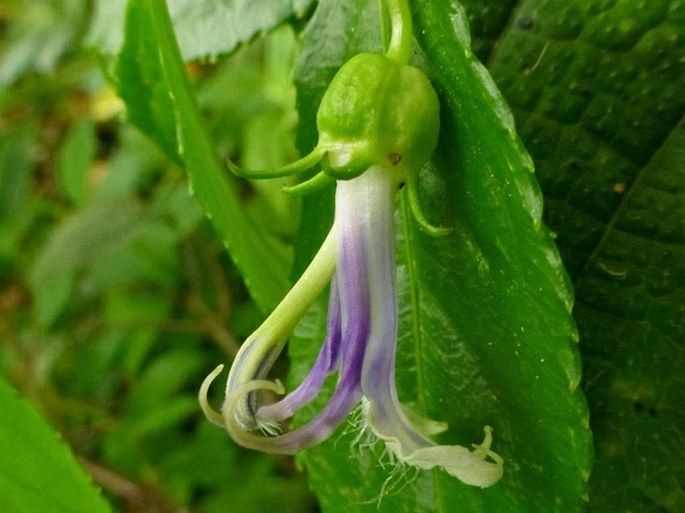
(115, 294)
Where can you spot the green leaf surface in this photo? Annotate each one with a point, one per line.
(494, 342)
(74, 160)
(79, 241)
(37, 470)
(631, 313)
(160, 102)
(204, 29)
(487, 21)
(594, 99)
(596, 88)
(16, 150)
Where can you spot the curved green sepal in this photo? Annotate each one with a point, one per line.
(299, 166)
(419, 216)
(316, 183)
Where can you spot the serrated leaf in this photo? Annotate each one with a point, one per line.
(486, 334)
(204, 29)
(595, 88)
(160, 102)
(37, 470)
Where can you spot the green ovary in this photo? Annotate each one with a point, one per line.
(377, 112)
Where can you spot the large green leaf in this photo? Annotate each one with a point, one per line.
(160, 101)
(493, 343)
(631, 313)
(37, 470)
(594, 101)
(596, 88)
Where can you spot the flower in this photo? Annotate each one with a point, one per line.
(360, 346)
(378, 124)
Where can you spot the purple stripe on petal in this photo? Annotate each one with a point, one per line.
(346, 395)
(355, 325)
(353, 301)
(384, 414)
(353, 292)
(326, 362)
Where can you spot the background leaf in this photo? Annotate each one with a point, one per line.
(15, 168)
(630, 314)
(596, 88)
(74, 159)
(46, 30)
(201, 27)
(160, 102)
(493, 344)
(115, 296)
(81, 240)
(37, 471)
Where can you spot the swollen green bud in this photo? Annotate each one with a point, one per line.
(377, 112)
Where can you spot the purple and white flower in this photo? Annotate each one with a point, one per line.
(360, 345)
(378, 124)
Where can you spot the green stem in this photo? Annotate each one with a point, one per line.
(260, 350)
(399, 47)
(295, 304)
